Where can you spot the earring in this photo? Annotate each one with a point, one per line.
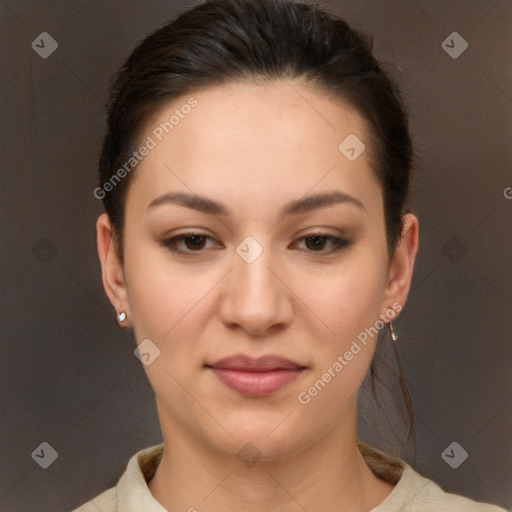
(121, 317)
(394, 335)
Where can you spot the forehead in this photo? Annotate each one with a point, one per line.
(278, 139)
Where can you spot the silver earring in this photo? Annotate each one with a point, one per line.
(394, 335)
(121, 317)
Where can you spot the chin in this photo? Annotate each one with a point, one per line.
(261, 436)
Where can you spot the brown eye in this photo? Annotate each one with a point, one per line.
(317, 242)
(194, 242)
(187, 243)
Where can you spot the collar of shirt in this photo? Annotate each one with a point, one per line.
(133, 494)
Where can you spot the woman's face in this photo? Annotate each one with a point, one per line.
(286, 257)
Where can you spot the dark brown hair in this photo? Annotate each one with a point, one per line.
(222, 41)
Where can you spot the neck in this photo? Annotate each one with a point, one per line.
(328, 475)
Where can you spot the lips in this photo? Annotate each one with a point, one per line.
(256, 377)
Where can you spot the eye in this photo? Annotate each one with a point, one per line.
(187, 243)
(317, 242)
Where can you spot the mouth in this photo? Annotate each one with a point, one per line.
(256, 377)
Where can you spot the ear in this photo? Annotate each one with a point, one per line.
(402, 262)
(111, 268)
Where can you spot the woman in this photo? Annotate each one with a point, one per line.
(257, 237)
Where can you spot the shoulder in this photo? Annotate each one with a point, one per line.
(131, 490)
(106, 502)
(413, 492)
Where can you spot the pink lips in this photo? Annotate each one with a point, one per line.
(258, 377)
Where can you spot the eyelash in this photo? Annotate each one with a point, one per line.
(171, 243)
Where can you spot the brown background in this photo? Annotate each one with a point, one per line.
(69, 377)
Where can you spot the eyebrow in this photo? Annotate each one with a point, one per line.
(295, 207)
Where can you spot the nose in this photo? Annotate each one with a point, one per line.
(255, 298)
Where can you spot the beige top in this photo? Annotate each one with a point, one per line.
(412, 492)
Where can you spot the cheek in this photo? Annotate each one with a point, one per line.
(347, 300)
(161, 296)
(350, 308)
(168, 307)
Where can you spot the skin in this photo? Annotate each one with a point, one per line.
(253, 148)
